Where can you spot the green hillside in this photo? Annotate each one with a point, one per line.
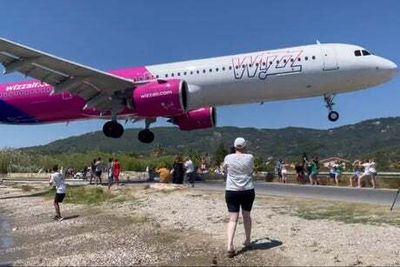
(378, 137)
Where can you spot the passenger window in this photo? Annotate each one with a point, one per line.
(185, 73)
(313, 57)
(230, 67)
(172, 75)
(157, 76)
(366, 53)
(357, 53)
(216, 69)
(179, 74)
(223, 68)
(204, 71)
(298, 59)
(166, 75)
(198, 72)
(306, 58)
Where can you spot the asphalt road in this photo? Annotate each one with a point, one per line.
(347, 194)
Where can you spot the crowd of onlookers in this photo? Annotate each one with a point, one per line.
(181, 170)
(308, 171)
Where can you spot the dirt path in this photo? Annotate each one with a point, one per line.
(164, 226)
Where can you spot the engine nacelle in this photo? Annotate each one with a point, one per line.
(202, 118)
(162, 98)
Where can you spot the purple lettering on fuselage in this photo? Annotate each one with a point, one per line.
(263, 65)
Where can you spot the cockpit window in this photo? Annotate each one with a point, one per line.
(357, 53)
(366, 53)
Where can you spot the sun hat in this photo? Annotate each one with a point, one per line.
(239, 143)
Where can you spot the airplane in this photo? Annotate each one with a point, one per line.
(184, 92)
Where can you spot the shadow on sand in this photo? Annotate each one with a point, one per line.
(260, 244)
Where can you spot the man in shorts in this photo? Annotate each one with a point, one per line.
(57, 179)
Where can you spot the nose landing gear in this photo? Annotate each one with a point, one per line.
(333, 115)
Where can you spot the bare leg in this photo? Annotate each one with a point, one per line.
(233, 219)
(359, 180)
(57, 208)
(337, 180)
(373, 181)
(247, 226)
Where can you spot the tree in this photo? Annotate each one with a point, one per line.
(220, 154)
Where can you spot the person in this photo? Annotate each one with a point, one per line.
(116, 171)
(314, 170)
(92, 171)
(284, 172)
(369, 170)
(178, 171)
(58, 180)
(373, 172)
(98, 166)
(190, 173)
(239, 193)
(339, 171)
(278, 169)
(164, 174)
(300, 172)
(110, 167)
(356, 173)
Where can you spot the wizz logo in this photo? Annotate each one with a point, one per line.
(266, 64)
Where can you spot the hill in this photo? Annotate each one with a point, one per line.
(378, 137)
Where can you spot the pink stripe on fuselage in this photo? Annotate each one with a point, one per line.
(33, 98)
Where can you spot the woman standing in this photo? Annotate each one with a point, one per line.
(239, 191)
(178, 171)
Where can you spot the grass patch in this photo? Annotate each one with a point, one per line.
(88, 195)
(349, 213)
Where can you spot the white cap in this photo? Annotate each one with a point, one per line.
(239, 143)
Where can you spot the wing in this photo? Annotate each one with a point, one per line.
(102, 91)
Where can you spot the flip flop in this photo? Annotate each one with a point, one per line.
(231, 253)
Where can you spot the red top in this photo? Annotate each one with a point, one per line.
(116, 168)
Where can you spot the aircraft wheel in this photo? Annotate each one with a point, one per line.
(113, 129)
(146, 136)
(333, 116)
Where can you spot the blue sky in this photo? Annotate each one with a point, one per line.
(117, 34)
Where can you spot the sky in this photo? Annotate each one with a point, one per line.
(117, 34)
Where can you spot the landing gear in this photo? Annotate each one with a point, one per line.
(333, 115)
(146, 136)
(113, 129)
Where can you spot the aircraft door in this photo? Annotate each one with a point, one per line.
(329, 58)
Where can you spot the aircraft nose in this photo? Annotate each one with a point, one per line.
(388, 67)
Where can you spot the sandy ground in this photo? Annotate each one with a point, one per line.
(164, 226)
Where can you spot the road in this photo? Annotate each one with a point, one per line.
(347, 194)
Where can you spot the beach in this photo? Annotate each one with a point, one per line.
(167, 225)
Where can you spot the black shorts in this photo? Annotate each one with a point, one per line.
(59, 197)
(236, 199)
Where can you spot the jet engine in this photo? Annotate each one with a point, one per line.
(202, 118)
(161, 98)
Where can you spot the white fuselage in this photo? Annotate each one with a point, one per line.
(289, 73)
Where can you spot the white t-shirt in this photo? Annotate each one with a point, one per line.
(239, 169)
(189, 166)
(58, 180)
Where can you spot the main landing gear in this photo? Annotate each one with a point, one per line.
(113, 129)
(333, 115)
(146, 136)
